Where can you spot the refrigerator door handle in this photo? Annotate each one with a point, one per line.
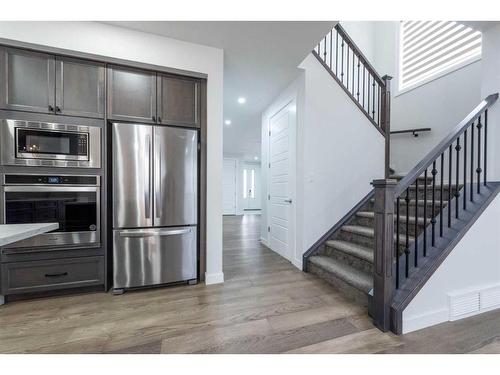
(158, 207)
(150, 233)
(147, 180)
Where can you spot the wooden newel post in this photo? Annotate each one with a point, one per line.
(385, 120)
(384, 256)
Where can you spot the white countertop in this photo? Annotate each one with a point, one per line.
(10, 233)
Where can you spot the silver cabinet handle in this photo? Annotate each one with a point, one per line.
(149, 233)
(147, 182)
(288, 201)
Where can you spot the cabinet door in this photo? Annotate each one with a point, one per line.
(131, 95)
(27, 81)
(178, 101)
(79, 88)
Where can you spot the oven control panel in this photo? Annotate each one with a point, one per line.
(31, 179)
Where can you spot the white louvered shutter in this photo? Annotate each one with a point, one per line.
(431, 48)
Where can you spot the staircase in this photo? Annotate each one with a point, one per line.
(345, 260)
(385, 249)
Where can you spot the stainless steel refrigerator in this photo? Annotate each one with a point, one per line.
(155, 205)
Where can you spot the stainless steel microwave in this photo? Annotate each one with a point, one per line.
(34, 143)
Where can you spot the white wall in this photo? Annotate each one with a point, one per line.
(116, 42)
(338, 153)
(490, 84)
(342, 153)
(473, 265)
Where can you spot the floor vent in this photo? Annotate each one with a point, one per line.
(463, 305)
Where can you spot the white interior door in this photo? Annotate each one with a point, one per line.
(281, 180)
(229, 187)
(251, 186)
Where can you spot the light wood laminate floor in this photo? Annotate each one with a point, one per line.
(265, 306)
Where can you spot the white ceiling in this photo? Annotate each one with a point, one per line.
(260, 60)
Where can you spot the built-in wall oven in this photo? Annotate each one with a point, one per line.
(72, 201)
(33, 143)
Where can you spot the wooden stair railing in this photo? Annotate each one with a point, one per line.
(458, 161)
(345, 62)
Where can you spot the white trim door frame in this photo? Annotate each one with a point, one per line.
(281, 181)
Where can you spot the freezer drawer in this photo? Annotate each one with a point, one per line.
(152, 256)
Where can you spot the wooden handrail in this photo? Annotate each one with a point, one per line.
(444, 144)
(414, 131)
(359, 54)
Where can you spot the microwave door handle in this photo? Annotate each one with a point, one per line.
(147, 179)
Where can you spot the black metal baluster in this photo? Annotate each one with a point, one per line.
(331, 49)
(441, 198)
(397, 242)
(465, 169)
(433, 216)
(324, 52)
(379, 103)
(425, 213)
(342, 61)
(368, 89)
(472, 163)
(415, 232)
(485, 144)
(359, 64)
(364, 91)
(457, 171)
(450, 159)
(373, 107)
(337, 53)
(407, 230)
(347, 66)
(353, 72)
(479, 170)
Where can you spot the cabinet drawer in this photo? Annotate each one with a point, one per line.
(23, 277)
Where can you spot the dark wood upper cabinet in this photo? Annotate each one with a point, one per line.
(79, 88)
(38, 82)
(131, 95)
(27, 81)
(178, 101)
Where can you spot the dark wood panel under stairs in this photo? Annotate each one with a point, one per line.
(345, 260)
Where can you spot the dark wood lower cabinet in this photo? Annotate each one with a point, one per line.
(40, 276)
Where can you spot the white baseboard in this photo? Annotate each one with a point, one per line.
(414, 323)
(297, 263)
(214, 278)
(264, 241)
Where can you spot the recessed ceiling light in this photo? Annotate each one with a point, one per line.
(255, 158)
(242, 100)
(228, 122)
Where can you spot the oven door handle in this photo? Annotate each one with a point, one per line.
(158, 233)
(57, 188)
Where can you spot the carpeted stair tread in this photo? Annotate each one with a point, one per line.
(365, 231)
(353, 249)
(402, 218)
(352, 276)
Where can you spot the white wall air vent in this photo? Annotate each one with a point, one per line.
(471, 303)
(490, 299)
(464, 305)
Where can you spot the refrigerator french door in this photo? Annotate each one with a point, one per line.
(155, 205)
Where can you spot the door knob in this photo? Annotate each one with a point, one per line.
(288, 200)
